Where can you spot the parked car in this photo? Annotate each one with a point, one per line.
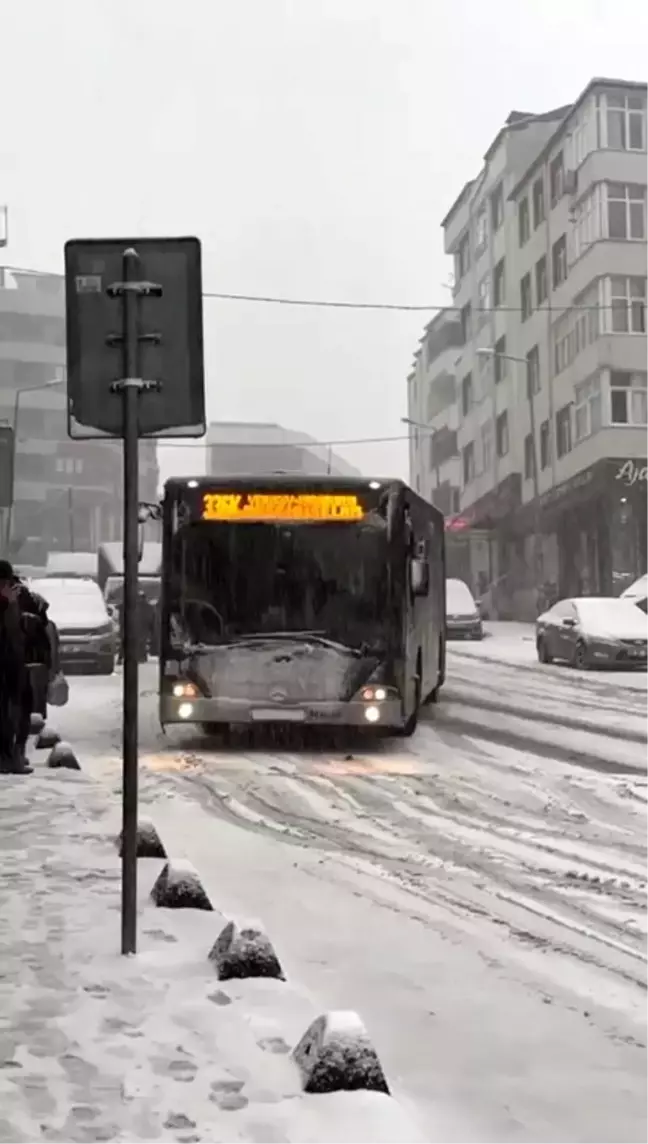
(637, 593)
(463, 617)
(593, 631)
(87, 638)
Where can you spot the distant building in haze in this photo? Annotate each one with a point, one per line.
(67, 494)
(260, 448)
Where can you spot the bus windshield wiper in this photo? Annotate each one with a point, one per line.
(299, 637)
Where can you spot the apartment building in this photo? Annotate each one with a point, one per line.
(549, 248)
(433, 415)
(67, 494)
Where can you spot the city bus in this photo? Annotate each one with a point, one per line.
(316, 600)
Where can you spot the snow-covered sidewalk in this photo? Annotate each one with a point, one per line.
(514, 643)
(95, 1046)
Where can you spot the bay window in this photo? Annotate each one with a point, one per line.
(625, 121)
(627, 304)
(587, 222)
(628, 398)
(626, 211)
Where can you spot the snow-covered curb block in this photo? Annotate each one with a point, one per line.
(178, 887)
(62, 756)
(149, 843)
(36, 723)
(336, 1055)
(47, 737)
(245, 950)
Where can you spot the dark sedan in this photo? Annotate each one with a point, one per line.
(593, 631)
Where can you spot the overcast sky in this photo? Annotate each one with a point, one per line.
(312, 145)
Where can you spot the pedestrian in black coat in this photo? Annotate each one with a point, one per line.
(24, 642)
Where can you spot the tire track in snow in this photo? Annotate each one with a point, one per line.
(486, 831)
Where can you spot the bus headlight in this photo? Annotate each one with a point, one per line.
(372, 714)
(369, 694)
(185, 710)
(183, 690)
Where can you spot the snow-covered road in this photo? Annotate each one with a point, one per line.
(478, 893)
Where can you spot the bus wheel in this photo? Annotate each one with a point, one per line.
(434, 694)
(213, 729)
(411, 723)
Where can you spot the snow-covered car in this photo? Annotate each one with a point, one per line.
(637, 593)
(593, 631)
(87, 638)
(463, 618)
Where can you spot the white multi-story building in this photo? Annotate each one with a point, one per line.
(549, 246)
(433, 415)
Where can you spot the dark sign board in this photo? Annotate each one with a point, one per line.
(169, 336)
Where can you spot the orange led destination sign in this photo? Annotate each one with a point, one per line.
(281, 506)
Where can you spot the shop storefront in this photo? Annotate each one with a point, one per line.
(598, 520)
(478, 543)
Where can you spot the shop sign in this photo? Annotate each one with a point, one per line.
(630, 473)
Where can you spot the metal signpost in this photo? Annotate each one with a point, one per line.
(135, 369)
(7, 446)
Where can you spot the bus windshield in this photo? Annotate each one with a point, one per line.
(230, 581)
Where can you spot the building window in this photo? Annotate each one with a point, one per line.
(524, 221)
(466, 323)
(533, 371)
(626, 210)
(628, 398)
(466, 394)
(481, 231)
(563, 431)
(462, 259)
(626, 122)
(545, 445)
(526, 297)
(562, 343)
(500, 359)
(587, 408)
(487, 446)
(497, 207)
(468, 456)
(529, 457)
(484, 292)
(628, 305)
(559, 261)
(538, 203)
(587, 223)
(541, 280)
(502, 434)
(556, 178)
(499, 283)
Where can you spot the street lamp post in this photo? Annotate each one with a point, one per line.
(19, 392)
(535, 475)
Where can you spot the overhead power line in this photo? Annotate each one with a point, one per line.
(403, 307)
(205, 444)
(346, 304)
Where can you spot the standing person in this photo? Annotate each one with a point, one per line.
(20, 614)
(41, 645)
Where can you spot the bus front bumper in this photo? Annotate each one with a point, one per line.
(356, 713)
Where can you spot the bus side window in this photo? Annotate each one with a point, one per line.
(420, 571)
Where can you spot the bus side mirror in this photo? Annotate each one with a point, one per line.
(419, 577)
